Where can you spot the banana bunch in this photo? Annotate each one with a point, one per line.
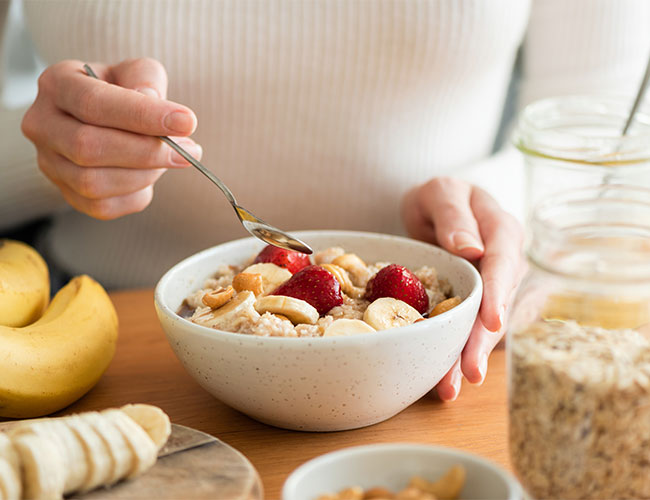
(50, 355)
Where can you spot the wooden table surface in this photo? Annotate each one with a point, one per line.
(145, 370)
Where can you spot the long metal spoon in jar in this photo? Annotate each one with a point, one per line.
(609, 178)
(253, 224)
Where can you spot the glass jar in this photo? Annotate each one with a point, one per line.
(579, 348)
(575, 141)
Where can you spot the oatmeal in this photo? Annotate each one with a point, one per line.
(281, 293)
(580, 411)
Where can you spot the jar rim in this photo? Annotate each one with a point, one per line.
(599, 233)
(585, 129)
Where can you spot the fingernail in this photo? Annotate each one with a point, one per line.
(464, 240)
(149, 91)
(482, 367)
(179, 122)
(456, 380)
(188, 145)
(502, 316)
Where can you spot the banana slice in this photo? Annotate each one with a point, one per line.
(152, 419)
(10, 485)
(72, 451)
(42, 466)
(234, 311)
(343, 278)
(272, 276)
(8, 452)
(75, 462)
(297, 310)
(97, 453)
(143, 448)
(347, 327)
(120, 454)
(387, 312)
(356, 267)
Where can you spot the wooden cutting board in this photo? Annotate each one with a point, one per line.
(209, 471)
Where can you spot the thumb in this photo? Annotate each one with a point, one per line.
(146, 75)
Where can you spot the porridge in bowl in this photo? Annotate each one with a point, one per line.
(284, 294)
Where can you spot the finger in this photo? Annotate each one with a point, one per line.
(98, 102)
(501, 263)
(96, 183)
(92, 146)
(417, 225)
(108, 208)
(449, 387)
(446, 202)
(145, 75)
(480, 344)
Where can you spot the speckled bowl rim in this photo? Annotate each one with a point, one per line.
(515, 490)
(204, 331)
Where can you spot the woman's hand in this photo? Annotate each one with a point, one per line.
(468, 222)
(95, 139)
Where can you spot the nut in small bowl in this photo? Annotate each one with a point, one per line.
(442, 473)
(327, 383)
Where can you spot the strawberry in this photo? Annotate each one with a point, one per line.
(315, 285)
(398, 282)
(293, 261)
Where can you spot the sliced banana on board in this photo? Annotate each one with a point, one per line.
(347, 327)
(152, 419)
(43, 475)
(387, 312)
(297, 310)
(272, 276)
(58, 456)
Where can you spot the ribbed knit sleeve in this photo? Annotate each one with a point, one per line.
(585, 46)
(25, 193)
(571, 47)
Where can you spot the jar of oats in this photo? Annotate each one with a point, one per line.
(579, 348)
(575, 141)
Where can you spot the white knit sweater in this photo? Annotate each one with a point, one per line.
(317, 113)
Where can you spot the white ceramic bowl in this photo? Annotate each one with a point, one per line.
(391, 466)
(321, 384)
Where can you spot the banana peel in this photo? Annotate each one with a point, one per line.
(52, 362)
(24, 284)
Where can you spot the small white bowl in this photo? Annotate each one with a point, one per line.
(324, 383)
(391, 466)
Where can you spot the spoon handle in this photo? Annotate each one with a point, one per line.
(639, 98)
(196, 163)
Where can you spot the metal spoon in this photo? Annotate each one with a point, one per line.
(637, 101)
(609, 177)
(253, 224)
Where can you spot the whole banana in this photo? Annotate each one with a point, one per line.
(52, 362)
(24, 284)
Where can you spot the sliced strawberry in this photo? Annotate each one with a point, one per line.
(293, 261)
(315, 285)
(398, 282)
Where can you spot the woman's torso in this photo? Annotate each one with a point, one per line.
(317, 114)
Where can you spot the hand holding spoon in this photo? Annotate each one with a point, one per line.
(253, 224)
